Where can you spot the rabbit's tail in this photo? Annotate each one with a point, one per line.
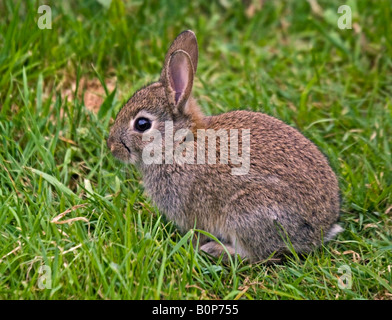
(333, 232)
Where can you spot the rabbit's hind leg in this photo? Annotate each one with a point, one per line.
(216, 250)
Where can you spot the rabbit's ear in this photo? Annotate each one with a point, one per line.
(178, 79)
(187, 42)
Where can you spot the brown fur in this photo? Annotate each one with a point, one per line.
(289, 194)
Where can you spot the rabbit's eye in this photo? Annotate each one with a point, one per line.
(142, 124)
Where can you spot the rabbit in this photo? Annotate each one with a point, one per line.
(288, 199)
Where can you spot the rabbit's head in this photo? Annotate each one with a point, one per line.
(169, 99)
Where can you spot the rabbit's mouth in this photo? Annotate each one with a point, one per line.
(125, 146)
(119, 149)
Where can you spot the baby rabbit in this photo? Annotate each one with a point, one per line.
(287, 194)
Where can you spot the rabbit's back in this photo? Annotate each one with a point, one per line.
(290, 186)
(289, 166)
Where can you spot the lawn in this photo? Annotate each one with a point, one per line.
(75, 222)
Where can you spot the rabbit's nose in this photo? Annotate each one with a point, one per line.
(109, 143)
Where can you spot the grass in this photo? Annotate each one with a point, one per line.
(287, 60)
